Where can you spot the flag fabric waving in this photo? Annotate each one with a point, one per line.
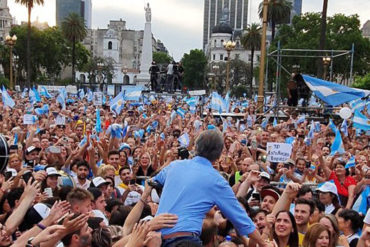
(7, 100)
(332, 93)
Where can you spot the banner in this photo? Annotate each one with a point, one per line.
(278, 152)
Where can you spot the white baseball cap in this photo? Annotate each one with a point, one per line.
(328, 187)
(51, 171)
(99, 181)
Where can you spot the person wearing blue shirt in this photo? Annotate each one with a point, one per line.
(192, 187)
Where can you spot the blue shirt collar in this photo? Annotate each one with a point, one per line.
(202, 160)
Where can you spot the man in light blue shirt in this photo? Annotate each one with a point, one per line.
(192, 187)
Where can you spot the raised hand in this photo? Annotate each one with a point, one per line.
(138, 235)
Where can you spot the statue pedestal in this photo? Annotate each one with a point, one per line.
(146, 56)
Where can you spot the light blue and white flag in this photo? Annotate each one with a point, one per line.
(34, 96)
(44, 92)
(181, 112)
(360, 104)
(332, 93)
(337, 145)
(7, 100)
(132, 93)
(274, 123)
(351, 162)
(61, 99)
(217, 102)
(98, 121)
(265, 122)
(344, 127)
(317, 127)
(89, 95)
(43, 110)
(184, 140)
(301, 119)
(81, 93)
(83, 141)
(117, 103)
(226, 102)
(24, 93)
(191, 101)
(332, 126)
(360, 121)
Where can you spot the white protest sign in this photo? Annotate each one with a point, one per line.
(98, 98)
(29, 119)
(278, 152)
(197, 92)
(110, 90)
(60, 120)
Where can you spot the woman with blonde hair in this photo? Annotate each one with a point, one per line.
(317, 235)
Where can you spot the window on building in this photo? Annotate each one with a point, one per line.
(222, 42)
(215, 43)
(214, 57)
(110, 45)
(221, 57)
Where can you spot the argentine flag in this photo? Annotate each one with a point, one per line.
(7, 100)
(117, 104)
(61, 99)
(181, 112)
(351, 162)
(191, 101)
(184, 140)
(44, 92)
(132, 93)
(344, 128)
(217, 102)
(331, 93)
(337, 145)
(81, 93)
(360, 121)
(25, 90)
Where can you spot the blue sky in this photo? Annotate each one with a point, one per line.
(177, 23)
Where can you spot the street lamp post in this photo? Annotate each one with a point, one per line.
(263, 55)
(10, 41)
(16, 59)
(326, 61)
(229, 46)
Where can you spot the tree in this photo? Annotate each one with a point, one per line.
(322, 36)
(161, 58)
(74, 29)
(251, 40)
(194, 65)
(362, 82)
(278, 13)
(29, 4)
(93, 70)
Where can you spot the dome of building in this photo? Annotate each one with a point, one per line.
(222, 28)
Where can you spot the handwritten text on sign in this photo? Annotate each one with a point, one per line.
(278, 152)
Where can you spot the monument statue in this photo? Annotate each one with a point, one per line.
(225, 15)
(148, 13)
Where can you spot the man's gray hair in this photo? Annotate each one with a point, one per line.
(209, 144)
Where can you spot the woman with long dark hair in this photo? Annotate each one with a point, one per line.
(285, 231)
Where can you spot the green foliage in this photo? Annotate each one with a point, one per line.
(4, 81)
(238, 91)
(304, 33)
(161, 58)
(362, 82)
(106, 69)
(194, 65)
(252, 40)
(278, 12)
(50, 53)
(73, 28)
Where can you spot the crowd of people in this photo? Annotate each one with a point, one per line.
(85, 175)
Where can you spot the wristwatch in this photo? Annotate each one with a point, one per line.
(29, 243)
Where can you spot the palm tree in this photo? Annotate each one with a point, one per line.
(322, 37)
(251, 40)
(74, 30)
(278, 12)
(29, 4)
